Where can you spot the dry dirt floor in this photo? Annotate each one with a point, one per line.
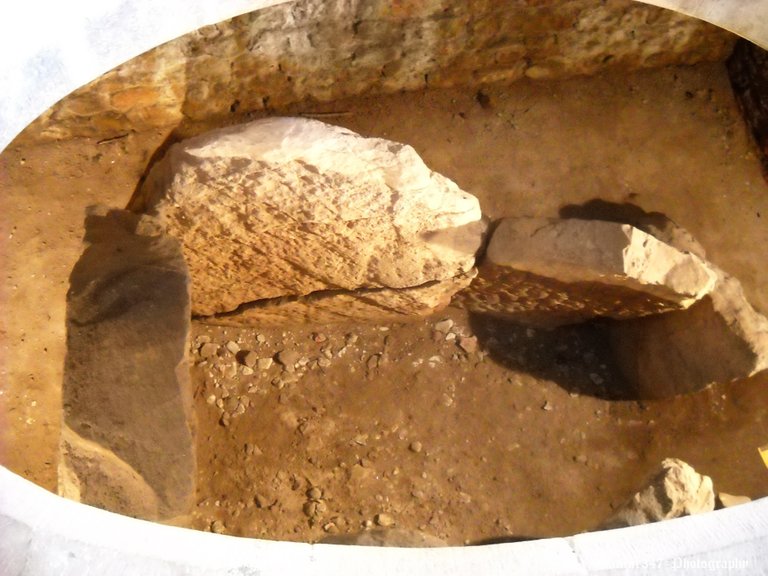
(530, 434)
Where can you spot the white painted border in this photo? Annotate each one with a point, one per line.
(41, 534)
(51, 48)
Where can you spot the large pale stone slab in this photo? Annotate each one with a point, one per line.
(676, 490)
(126, 379)
(290, 206)
(552, 272)
(719, 339)
(382, 305)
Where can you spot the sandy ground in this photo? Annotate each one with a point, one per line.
(670, 141)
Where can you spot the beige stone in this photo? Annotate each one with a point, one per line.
(126, 382)
(320, 50)
(388, 537)
(551, 272)
(290, 206)
(725, 500)
(720, 339)
(383, 305)
(676, 490)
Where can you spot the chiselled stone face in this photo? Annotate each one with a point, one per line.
(555, 272)
(289, 207)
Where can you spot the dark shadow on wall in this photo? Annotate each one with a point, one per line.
(577, 358)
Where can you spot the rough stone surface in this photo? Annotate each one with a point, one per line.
(554, 272)
(388, 537)
(719, 339)
(126, 380)
(676, 490)
(90, 473)
(321, 50)
(383, 305)
(290, 206)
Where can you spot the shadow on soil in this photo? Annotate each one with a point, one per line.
(577, 358)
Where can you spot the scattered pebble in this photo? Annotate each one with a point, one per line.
(260, 338)
(288, 358)
(247, 371)
(468, 344)
(209, 350)
(211, 399)
(323, 362)
(444, 326)
(319, 337)
(264, 363)
(310, 508)
(233, 347)
(547, 407)
(250, 359)
(415, 447)
(218, 527)
(384, 520)
(315, 493)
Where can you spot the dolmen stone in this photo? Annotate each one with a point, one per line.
(550, 272)
(127, 442)
(290, 207)
(721, 338)
(676, 490)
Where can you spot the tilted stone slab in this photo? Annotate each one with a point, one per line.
(554, 272)
(382, 305)
(126, 378)
(719, 339)
(291, 206)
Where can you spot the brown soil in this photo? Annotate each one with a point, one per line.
(517, 438)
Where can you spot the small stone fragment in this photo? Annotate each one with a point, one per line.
(211, 399)
(209, 350)
(288, 358)
(319, 337)
(233, 347)
(415, 447)
(468, 344)
(260, 338)
(373, 361)
(323, 362)
(315, 493)
(247, 371)
(264, 363)
(310, 508)
(384, 520)
(728, 500)
(250, 359)
(444, 326)
(218, 527)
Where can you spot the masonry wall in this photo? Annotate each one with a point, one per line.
(330, 49)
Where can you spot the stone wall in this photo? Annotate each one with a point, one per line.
(330, 49)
